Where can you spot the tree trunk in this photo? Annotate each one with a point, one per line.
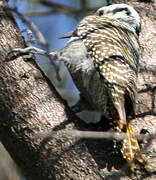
(30, 105)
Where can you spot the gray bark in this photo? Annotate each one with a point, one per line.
(30, 105)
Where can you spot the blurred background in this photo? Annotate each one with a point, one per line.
(54, 18)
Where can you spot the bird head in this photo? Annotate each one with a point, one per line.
(122, 12)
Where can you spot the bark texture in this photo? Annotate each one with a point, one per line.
(29, 104)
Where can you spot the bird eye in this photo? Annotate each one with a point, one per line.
(101, 12)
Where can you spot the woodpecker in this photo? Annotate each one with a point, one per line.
(102, 57)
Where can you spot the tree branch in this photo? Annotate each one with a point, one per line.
(30, 105)
(58, 8)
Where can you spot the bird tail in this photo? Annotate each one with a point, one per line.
(130, 146)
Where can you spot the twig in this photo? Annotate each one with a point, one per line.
(39, 37)
(98, 135)
(58, 8)
(39, 13)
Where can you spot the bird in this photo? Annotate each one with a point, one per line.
(102, 57)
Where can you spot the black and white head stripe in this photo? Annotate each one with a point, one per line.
(122, 12)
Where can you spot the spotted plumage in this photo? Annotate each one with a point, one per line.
(111, 38)
(114, 48)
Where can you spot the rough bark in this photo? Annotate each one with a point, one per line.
(30, 104)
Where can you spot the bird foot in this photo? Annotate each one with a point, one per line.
(130, 148)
